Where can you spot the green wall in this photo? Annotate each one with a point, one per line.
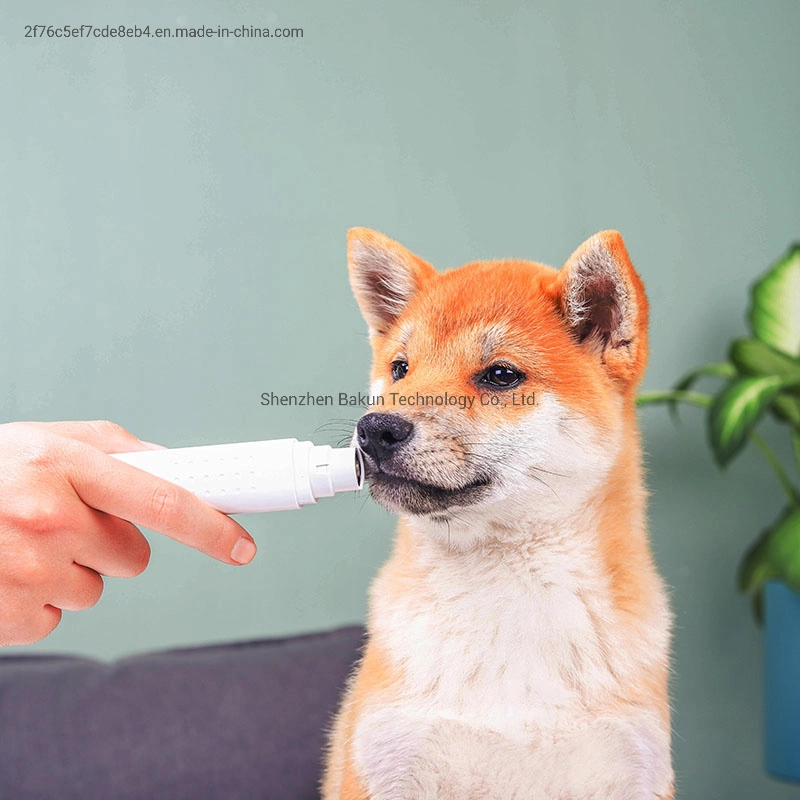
(172, 220)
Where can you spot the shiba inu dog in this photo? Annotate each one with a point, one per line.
(519, 634)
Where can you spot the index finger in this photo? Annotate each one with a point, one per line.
(109, 485)
(100, 433)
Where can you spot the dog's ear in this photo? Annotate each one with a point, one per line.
(384, 276)
(604, 304)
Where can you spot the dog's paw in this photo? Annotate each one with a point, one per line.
(651, 763)
(404, 756)
(641, 768)
(389, 749)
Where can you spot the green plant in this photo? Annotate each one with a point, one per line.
(761, 375)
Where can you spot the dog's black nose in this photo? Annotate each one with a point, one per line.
(379, 435)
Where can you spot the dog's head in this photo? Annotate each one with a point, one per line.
(499, 383)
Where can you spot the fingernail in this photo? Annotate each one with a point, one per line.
(244, 550)
(151, 446)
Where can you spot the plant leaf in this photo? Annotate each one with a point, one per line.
(783, 547)
(796, 445)
(758, 606)
(735, 412)
(721, 370)
(787, 408)
(755, 568)
(753, 357)
(774, 314)
(724, 370)
(776, 555)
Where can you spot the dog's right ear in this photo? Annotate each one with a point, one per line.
(384, 276)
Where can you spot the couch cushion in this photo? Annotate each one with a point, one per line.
(244, 720)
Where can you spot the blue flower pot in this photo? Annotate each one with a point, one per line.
(782, 682)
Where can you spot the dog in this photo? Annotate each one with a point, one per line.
(518, 636)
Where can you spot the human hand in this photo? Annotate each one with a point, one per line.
(68, 516)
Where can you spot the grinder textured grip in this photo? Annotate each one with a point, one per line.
(249, 477)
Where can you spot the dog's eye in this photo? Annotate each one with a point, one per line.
(501, 376)
(399, 369)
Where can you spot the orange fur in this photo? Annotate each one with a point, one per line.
(374, 678)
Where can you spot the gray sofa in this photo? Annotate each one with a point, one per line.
(245, 720)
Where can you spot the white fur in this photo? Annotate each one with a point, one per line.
(376, 389)
(412, 757)
(598, 266)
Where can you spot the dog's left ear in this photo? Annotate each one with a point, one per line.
(605, 306)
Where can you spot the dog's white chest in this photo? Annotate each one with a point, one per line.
(476, 645)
